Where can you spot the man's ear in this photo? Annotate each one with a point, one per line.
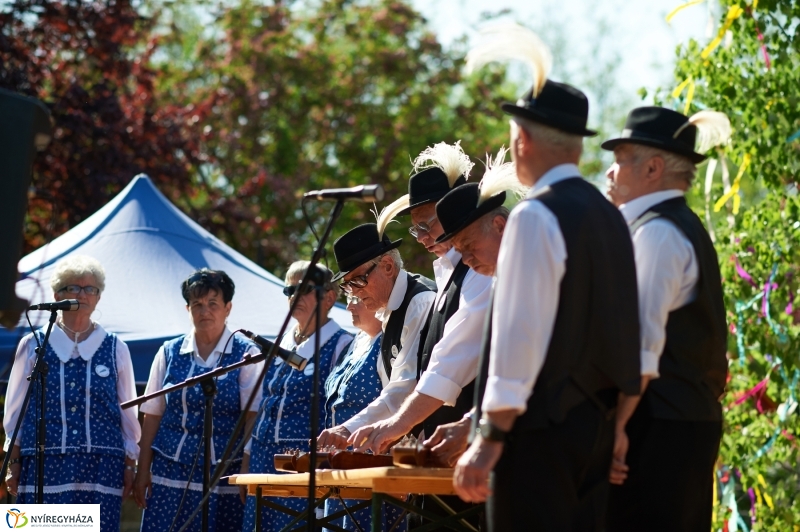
(655, 168)
(499, 224)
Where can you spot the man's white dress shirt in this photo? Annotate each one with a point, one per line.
(404, 367)
(65, 349)
(666, 274)
(530, 266)
(455, 358)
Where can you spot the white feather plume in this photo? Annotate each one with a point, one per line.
(713, 129)
(510, 41)
(388, 213)
(449, 158)
(499, 176)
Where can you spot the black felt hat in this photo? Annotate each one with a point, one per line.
(459, 208)
(428, 186)
(558, 105)
(359, 245)
(656, 127)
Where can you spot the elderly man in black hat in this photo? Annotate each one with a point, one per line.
(663, 461)
(450, 342)
(371, 269)
(565, 334)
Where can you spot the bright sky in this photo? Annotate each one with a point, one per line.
(638, 32)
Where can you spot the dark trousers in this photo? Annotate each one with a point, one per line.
(556, 478)
(670, 482)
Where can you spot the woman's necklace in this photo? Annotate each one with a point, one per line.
(299, 337)
(76, 333)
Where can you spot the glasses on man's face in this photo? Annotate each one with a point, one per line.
(75, 289)
(352, 300)
(422, 227)
(359, 281)
(292, 289)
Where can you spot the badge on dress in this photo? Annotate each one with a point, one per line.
(102, 370)
(309, 369)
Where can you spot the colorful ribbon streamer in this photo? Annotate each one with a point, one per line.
(682, 7)
(688, 82)
(734, 191)
(733, 13)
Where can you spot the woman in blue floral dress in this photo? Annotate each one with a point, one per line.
(284, 418)
(91, 444)
(171, 459)
(353, 384)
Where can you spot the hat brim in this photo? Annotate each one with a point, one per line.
(547, 120)
(679, 149)
(484, 208)
(368, 255)
(430, 198)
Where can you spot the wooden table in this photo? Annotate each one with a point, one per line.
(374, 484)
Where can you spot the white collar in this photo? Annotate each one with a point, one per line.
(395, 298)
(554, 175)
(306, 348)
(444, 266)
(63, 346)
(362, 344)
(189, 346)
(632, 210)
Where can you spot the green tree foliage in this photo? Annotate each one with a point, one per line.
(754, 77)
(326, 95)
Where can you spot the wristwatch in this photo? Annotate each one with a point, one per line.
(490, 432)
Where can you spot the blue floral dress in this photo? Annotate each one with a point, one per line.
(84, 451)
(284, 419)
(353, 384)
(178, 446)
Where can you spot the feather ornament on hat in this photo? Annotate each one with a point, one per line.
(499, 177)
(510, 41)
(713, 129)
(449, 158)
(388, 213)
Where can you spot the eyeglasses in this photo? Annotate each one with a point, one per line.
(422, 227)
(203, 277)
(75, 289)
(292, 289)
(352, 300)
(359, 281)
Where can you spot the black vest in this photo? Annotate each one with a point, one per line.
(394, 327)
(430, 336)
(594, 348)
(693, 367)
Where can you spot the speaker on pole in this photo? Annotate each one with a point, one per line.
(24, 129)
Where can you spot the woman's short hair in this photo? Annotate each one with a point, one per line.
(297, 270)
(75, 266)
(202, 281)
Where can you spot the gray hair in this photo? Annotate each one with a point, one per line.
(396, 258)
(488, 218)
(75, 266)
(297, 270)
(550, 136)
(676, 167)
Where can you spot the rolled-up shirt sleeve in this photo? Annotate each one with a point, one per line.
(126, 391)
(248, 379)
(404, 367)
(667, 274)
(530, 267)
(454, 359)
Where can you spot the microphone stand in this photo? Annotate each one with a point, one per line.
(240, 423)
(38, 374)
(208, 384)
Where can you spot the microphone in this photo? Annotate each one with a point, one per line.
(65, 304)
(293, 359)
(365, 193)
